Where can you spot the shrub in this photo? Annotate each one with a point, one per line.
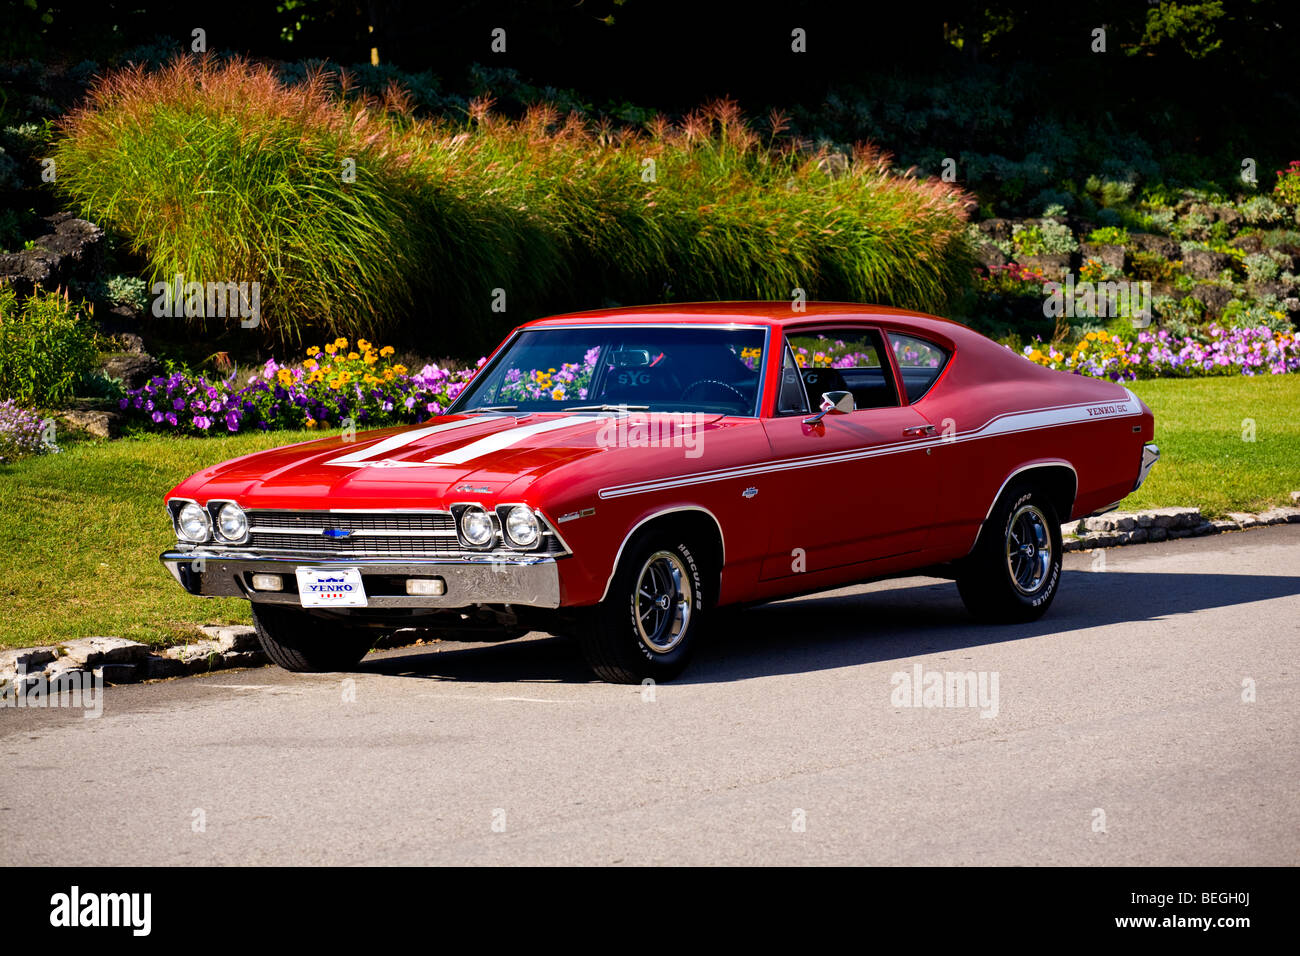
(1287, 189)
(1109, 236)
(46, 347)
(22, 433)
(1261, 267)
(220, 172)
(1046, 238)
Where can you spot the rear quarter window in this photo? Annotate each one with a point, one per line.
(919, 363)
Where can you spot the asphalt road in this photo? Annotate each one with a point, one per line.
(1120, 737)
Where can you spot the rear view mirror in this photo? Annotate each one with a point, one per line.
(833, 403)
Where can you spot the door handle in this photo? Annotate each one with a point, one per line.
(918, 431)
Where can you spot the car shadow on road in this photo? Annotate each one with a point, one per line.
(843, 628)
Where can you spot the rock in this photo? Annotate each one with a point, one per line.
(93, 652)
(1295, 497)
(1157, 533)
(156, 667)
(1279, 516)
(1136, 536)
(1175, 517)
(70, 248)
(1205, 527)
(119, 673)
(1053, 266)
(98, 423)
(233, 637)
(1225, 525)
(29, 660)
(133, 368)
(1072, 544)
(1161, 246)
(990, 256)
(1145, 520)
(1215, 297)
(1204, 264)
(1247, 244)
(997, 229)
(1112, 256)
(1243, 519)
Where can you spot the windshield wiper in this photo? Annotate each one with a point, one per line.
(492, 408)
(608, 408)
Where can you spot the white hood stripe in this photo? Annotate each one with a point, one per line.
(505, 439)
(358, 458)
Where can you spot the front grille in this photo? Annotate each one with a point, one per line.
(320, 520)
(430, 534)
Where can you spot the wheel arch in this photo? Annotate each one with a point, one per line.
(706, 531)
(1059, 478)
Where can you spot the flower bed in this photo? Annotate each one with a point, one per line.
(22, 433)
(1220, 351)
(333, 384)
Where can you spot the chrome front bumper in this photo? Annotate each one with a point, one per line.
(523, 580)
(1150, 455)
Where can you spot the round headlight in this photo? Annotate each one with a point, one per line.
(522, 527)
(476, 527)
(231, 522)
(192, 523)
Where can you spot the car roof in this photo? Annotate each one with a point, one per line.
(779, 313)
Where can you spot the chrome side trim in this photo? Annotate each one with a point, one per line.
(659, 514)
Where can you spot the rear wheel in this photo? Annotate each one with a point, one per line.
(297, 641)
(1014, 571)
(646, 626)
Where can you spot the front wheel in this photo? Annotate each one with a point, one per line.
(1014, 571)
(297, 641)
(646, 626)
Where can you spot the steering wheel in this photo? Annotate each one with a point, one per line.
(711, 381)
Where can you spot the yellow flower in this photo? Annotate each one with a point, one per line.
(386, 351)
(399, 369)
(341, 342)
(389, 375)
(314, 350)
(311, 423)
(371, 358)
(352, 356)
(309, 364)
(285, 376)
(1035, 356)
(331, 349)
(1090, 337)
(1103, 336)
(363, 345)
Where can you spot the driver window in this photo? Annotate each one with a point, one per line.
(844, 359)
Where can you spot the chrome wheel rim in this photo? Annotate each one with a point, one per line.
(1029, 549)
(663, 602)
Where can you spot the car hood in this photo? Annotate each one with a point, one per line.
(450, 458)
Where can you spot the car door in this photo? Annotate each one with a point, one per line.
(853, 488)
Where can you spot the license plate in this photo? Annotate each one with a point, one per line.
(333, 588)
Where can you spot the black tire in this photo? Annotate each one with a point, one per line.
(621, 650)
(1007, 579)
(299, 642)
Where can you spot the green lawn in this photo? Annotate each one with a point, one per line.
(1204, 458)
(80, 535)
(80, 532)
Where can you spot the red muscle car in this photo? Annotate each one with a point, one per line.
(617, 475)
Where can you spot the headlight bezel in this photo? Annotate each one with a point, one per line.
(181, 506)
(216, 508)
(472, 510)
(504, 515)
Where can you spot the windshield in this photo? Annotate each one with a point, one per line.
(651, 368)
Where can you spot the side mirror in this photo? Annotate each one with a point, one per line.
(833, 403)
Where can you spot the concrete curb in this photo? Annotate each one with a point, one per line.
(1164, 524)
